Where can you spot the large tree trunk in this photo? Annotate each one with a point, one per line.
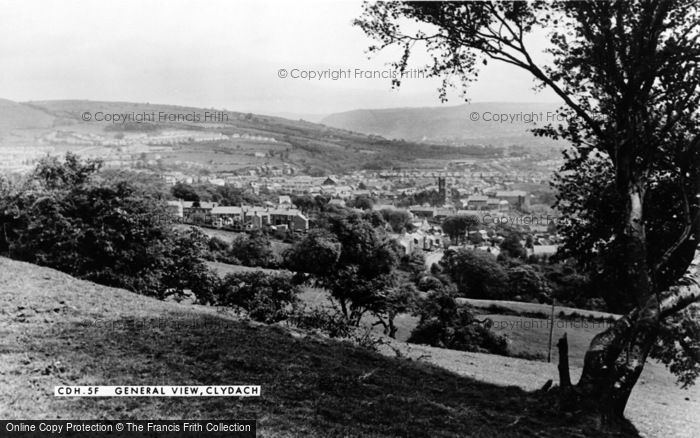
(616, 357)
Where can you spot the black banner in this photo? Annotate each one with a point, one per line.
(128, 428)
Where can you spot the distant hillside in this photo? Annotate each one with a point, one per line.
(15, 115)
(304, 144)
(452, 125)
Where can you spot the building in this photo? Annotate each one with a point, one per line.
(442, 190)
(192, 212)
(516, 198)
(248, 217)
(422, 212)
(420, 241)
(477, 202)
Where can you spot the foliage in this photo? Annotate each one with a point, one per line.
(678, 346)
(314, 254)
(513, 247)
(105, 231)
(185, 192)
(476, 273)
(253, 249)
(224, 195)
(526, 283)
(352, 259)
(429, 283)
(330, 322)
(399, 299)
(430, 197)
(266, 297)
(446, 324)
(626, 73)
(398, 220)
(362, 202)
(414, 264)
(458, 226)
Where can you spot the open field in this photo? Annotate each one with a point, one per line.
(57, 330)
(534, 308)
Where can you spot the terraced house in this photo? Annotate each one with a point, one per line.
(248, 217)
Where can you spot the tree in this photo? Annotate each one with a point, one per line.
(445, 324)
(54, 174)
(305, 203)
(185, 192)
(103, 230)
(458, 226)
(316, 254)
(626, 72)
(398, 220)
(353, 260)
(267, 298)
(525, 283)
(476, 273)
(513, 247)
(399, 299)
(362, 202)
(253, 249)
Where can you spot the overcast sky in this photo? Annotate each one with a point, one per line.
(214, 53)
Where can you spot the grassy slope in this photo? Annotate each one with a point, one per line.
(657, 406)
(59, 330)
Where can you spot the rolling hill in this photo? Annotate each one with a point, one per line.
(303, 144)
(452, 125)
(15, 115)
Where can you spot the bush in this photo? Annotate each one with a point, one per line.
(428, 283)
(477, 274)
(329, 322)
(446, 324)
(253, 250)
(334, 324)
(526, 283)
(112, 232)
(266, 297)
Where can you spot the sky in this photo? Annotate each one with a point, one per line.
(216, 53)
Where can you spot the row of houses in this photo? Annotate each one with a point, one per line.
(501, 200)
(419, 241)
(240, 218)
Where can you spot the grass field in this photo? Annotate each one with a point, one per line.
(657, 406)
(58, 330)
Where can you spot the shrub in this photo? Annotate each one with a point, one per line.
(526, 283)
(428, 283)
(112, 232)
(477, 274)
(334, 324)
(330, 322)
(444, 323)
(253, 250)
(266, 297)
